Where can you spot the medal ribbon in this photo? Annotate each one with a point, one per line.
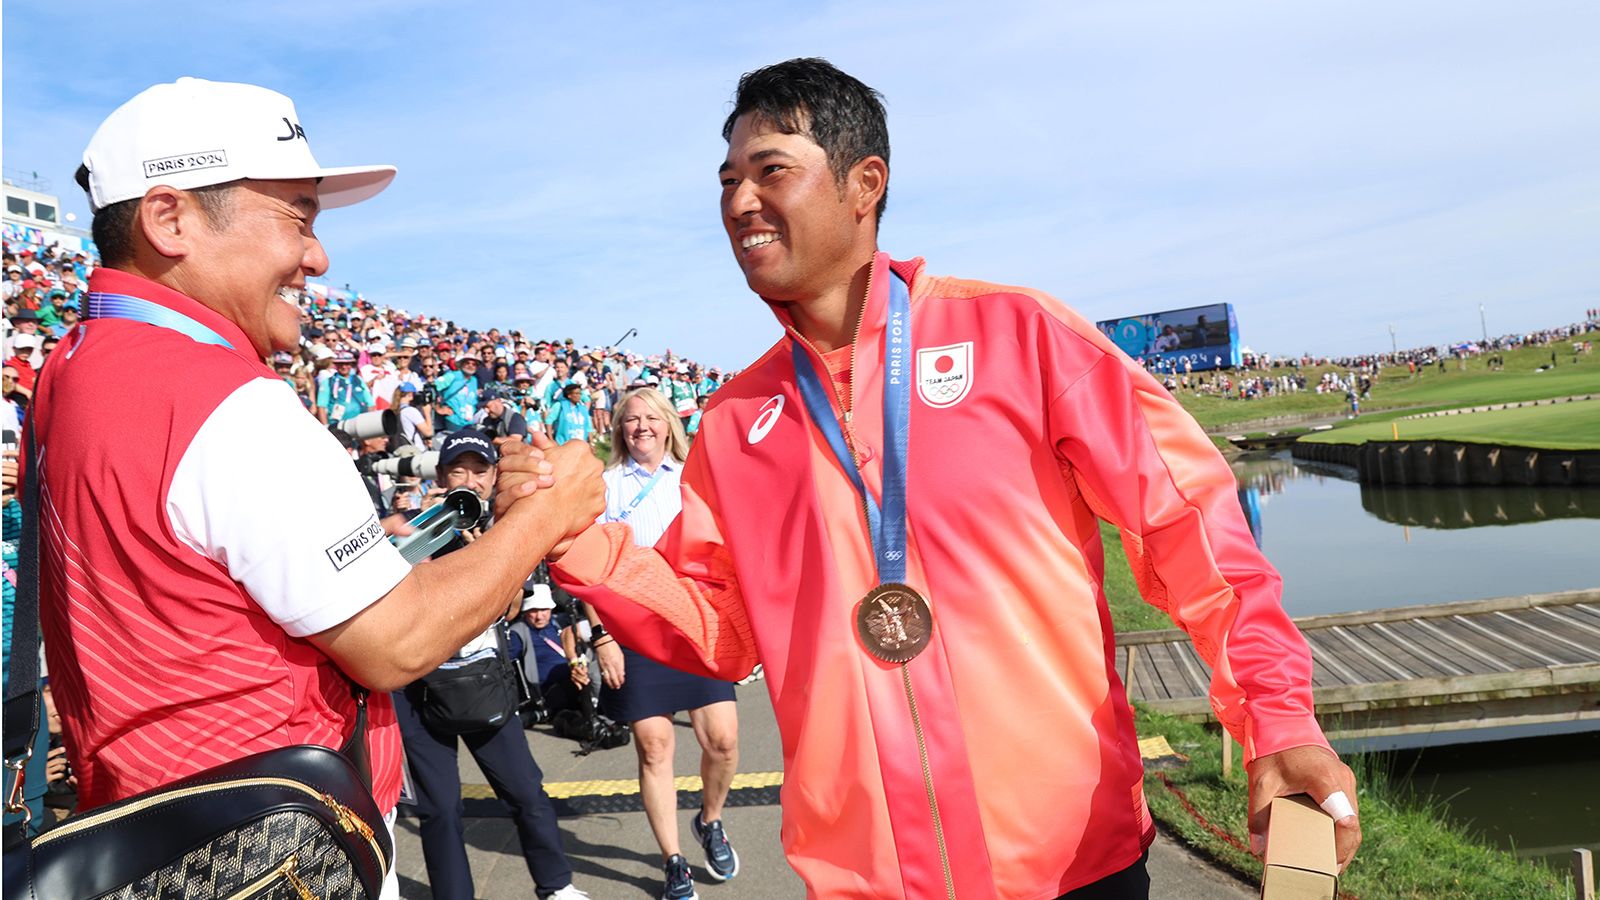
(121, 306)
(887, 525)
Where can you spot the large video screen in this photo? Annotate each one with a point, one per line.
(1196, 338)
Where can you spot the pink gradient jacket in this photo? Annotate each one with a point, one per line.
(1026, 425)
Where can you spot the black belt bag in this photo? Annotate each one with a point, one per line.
(294, 822)
(467, 698)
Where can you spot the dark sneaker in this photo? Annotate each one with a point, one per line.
(680, 884)
(722, 863)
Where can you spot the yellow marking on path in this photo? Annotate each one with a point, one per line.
(621, 787)
(1155, 748)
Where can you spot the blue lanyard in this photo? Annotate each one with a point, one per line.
(122, 306)
(644, 492)
(888, 524)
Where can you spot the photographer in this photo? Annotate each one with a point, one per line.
(545, 647)
(416, 422)
(497, 418)
(527, 400)
(454, 704)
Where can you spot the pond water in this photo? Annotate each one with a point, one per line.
(1538, 797)
(1343, 546)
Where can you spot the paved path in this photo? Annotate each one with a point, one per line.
(614, 856)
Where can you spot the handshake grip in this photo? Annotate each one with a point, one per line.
(565, 479)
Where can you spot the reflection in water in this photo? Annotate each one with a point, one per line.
(1472, 507)
(1341, 547)
(1418, 505)
(1260, 478)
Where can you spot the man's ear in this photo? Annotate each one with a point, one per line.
(168, 219)
(869, 178)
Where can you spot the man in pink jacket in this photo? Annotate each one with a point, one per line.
(896, 508)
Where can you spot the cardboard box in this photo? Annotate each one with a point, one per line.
(1301, 863)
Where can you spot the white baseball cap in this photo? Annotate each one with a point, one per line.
(195, 133)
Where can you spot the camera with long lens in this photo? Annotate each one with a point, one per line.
(377, 423)
(420, 465)
(461, 509)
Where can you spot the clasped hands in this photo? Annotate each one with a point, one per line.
(566, 478)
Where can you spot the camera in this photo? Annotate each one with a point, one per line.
(493, 428)
(378, 423)
(420, 465)
(593, 731)
(428, 396)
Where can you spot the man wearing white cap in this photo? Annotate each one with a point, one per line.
(245, 626)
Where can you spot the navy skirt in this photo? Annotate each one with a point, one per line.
(651, 689)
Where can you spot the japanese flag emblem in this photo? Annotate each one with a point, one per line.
(944, 374)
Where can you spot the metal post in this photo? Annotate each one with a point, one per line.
(1393, 347)
(1583, 873)
(1227, 754)
(1127, 669)
(1485, 324)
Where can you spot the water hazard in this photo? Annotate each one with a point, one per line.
(1342, 546)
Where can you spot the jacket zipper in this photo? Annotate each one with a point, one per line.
(347, 817)
(848, 410)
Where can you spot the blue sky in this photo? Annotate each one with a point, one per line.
(1330, 169)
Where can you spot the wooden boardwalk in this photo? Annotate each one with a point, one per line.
(1445, 667)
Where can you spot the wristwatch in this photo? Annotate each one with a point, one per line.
(596, 632)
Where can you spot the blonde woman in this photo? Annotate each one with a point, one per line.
(648, 448)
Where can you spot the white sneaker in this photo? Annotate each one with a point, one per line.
(755, 675)
(570, 892)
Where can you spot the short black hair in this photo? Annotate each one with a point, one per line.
(112, 228)
(812, 97)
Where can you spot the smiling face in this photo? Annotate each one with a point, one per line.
(792, 225)
(469, 470)
(644, 430)
(252, 267)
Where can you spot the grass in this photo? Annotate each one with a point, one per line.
(1567, 426)
(1471, 384)
(1410, 849)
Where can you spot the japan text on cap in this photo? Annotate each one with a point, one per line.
(195, 133)
(467, 440)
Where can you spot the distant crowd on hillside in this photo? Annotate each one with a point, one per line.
(1266, 375)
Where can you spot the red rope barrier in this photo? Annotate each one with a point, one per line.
(1195, 814)
(1206, 823)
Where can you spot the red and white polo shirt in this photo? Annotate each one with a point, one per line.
(198, 526)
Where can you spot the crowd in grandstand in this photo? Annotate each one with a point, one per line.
(357, 356)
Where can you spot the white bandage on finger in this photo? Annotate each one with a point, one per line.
(1337, 805)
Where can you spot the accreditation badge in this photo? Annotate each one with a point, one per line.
(894, 622)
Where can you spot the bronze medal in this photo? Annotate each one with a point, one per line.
(894, 622)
